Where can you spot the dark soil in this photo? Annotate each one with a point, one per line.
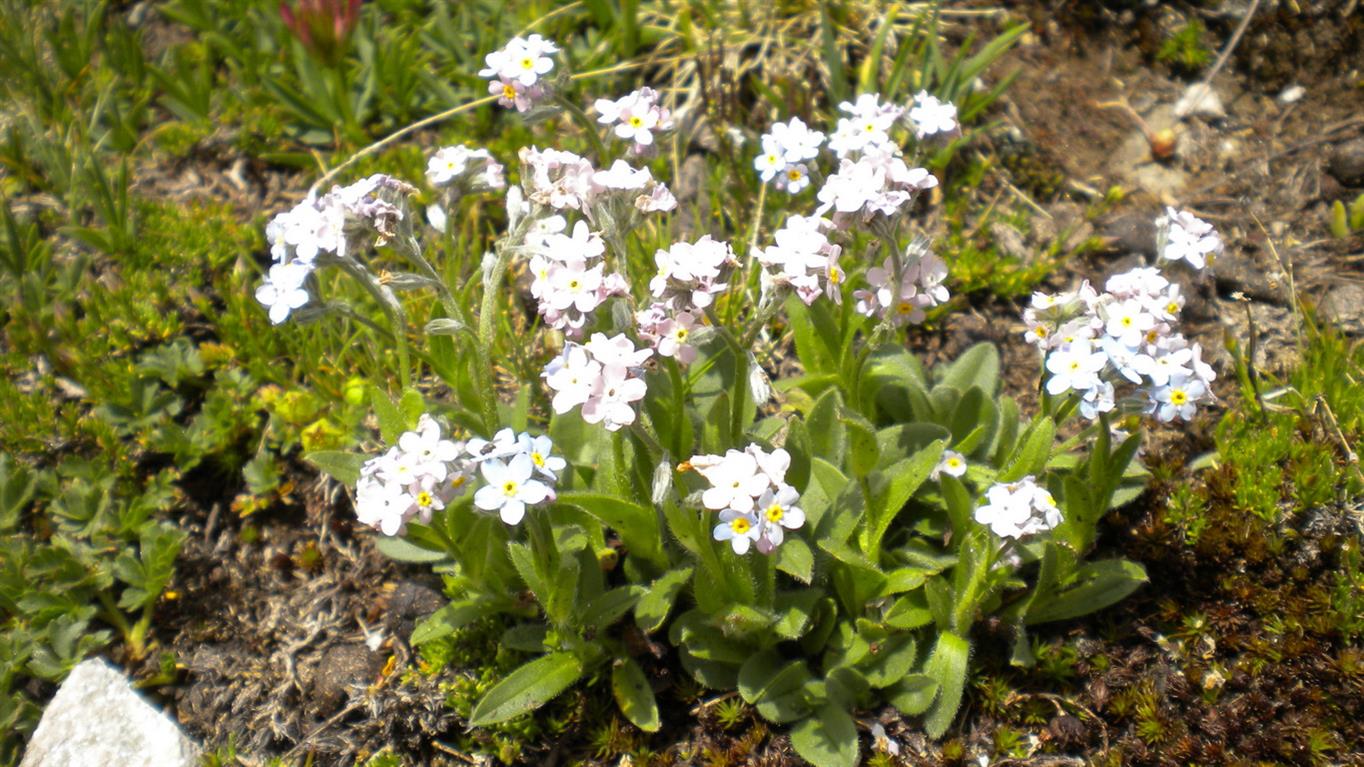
(291, 627)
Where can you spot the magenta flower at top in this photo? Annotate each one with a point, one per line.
(323, 26)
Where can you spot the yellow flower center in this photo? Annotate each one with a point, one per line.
(1172, 308)
(423, 499)
(508, 92)
(681, 334)
(740, 525)
(835, 275)
(527, 63)
(1178, 397)
(1040, 331)
(458, 481)
(904, 307)
(793, 174)
(537, 459)
(954, 463)
(635, 122)
(509, 488)
(774, 513)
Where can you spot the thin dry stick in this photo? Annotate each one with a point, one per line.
(439, 117)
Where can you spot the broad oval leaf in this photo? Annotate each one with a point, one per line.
(634, 695)
(527, 688)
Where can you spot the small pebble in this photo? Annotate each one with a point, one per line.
(1292, 94)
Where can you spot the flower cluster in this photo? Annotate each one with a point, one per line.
(875, 183)
(866, 129)
(1018, 509)
(748, 487)
(1095, 340)
(901, 301)
(787, 150)
(930, 116)
(668, 332)
(317, 229)
(474, 168)
(690, 274)
(636, 118)
(517, 71)
(1182, 236)
(804, 259)
(604, 376)
(569, 275)
(425, 471)
(564, 181)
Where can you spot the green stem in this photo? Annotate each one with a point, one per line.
(487, 334)
(589, 127)
(623, 484)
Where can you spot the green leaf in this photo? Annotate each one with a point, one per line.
(774, 688)
(634, 695)
(636, 524)
(864, 453)
(914, 694)
(909, 612)
(527, 688)
(892, 659)
(17, 485)
(446, 620)
(902, 480)
(904, 440)
(796, 560)
(827, 739)
(403, 550)
(1031, 457)
(1095, 585)
(339, 465)
(948, 666)
(652, 609)
(608, 607)
(794, 611)
(828, 438)
(977, 366)
(1340, 224)
(390, 418)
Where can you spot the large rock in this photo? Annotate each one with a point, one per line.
(1347, 163)
(97, 719)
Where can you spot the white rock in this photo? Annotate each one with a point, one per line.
(1292, 94)
(97, 719)
(1201, 101)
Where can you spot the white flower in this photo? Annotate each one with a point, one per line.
(795, 178)
(770, 161)
(523, 61)
(435, 215)
(635, 117)
(283, 291)
(572, 377)
(622, 176)
(952, 463)
(735, 480)
(427, 450)
(797, 142)
(510, 488)
(929, 116)
(612, 396)
(777, 510)
(866, 129)
(541, 449)
(741, 529)
(1018, 509)
(1178, 399)
(1184, 236)
(503, 445)
(383, 505)
(689, 273)
(1075, 367)
(616, 351)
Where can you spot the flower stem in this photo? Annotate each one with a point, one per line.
(487, 333)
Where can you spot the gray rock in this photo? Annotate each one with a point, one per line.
(1131, 233)
(410, 602)
(1344, 306)
(342, 668)
(1347, 163)
(1200, 100)
(97, 719)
